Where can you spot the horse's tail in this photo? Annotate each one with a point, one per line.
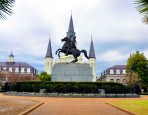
(85, 53)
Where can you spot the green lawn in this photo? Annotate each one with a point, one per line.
(139, 107)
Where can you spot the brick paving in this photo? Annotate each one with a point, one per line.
(75, 106)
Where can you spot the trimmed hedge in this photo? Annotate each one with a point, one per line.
(70, 87)
(146, 93)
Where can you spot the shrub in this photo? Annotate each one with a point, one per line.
(146, 93)
(70, 87)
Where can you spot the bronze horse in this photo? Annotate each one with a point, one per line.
(72, 50)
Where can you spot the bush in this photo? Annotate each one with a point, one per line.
(69, 87)
(146, 93)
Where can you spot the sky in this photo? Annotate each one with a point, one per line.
(116, 27)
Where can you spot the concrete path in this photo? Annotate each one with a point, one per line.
(74, 106)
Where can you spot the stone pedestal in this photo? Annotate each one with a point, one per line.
(71, 72)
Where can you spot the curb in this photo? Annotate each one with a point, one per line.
(129, 112)
(31, 109)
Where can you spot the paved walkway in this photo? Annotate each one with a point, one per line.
(74, 106)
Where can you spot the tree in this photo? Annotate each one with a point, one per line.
(143, 9)
(6, 8)
(132, 78)
(44, 76)
(137, 65)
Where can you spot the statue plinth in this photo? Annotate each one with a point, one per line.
(69, 58)
(73, 72)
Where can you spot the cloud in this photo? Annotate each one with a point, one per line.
(116, 29)
(112, 56)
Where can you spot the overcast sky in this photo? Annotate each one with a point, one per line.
(116, 27)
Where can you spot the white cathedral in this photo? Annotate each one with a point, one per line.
(49, 60)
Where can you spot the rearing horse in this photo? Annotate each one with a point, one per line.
(74, 51)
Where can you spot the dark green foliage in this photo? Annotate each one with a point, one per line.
(5, 8)
(70, 87)
(44, 76)
(138, 63)
(144, 93)
(143, 8)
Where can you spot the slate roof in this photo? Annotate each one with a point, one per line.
(92, 51)
(115, 67)
(118, 67)
(71, 28)
(15, 64)
(49, 50)
(11, 55)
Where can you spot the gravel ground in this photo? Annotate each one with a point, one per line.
(14, 106)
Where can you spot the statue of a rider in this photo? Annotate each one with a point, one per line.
(71, 45)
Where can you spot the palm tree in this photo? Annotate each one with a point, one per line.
(5, 8)
(143, 9)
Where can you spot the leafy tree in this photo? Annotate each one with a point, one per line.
(132, 78)
(143, 9)
(6, 8)
(138, 64)
(44, 76)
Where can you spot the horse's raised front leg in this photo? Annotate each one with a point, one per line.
(59, 53)
(58, 50)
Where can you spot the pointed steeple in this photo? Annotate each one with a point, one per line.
(11, 58)
(92, 51)
(71, 28)
(49, 50)
(11, 55)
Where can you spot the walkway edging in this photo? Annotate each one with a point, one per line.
(127, 111)
(31, 109)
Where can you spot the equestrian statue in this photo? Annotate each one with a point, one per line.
(69, 48)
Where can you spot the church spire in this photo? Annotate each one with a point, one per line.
(92, 51)
(71, 28)
(11, 55)
(11, 58)
(49, 50)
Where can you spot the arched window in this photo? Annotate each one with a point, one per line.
(118, 80)
(124, 81)
(111, 80)
(47, 63)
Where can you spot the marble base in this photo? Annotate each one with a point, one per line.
(72, 72)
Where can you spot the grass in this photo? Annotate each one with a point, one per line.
(139, 107)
